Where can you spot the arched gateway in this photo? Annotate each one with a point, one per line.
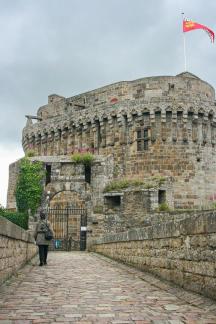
(68, 216)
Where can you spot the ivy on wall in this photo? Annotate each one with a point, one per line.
(29, 186)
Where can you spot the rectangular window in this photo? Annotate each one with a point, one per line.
(142, 139)
(88, 173)
(139, 134)
(161, 196)
(48, 173)
(113, 201)
(139, 145)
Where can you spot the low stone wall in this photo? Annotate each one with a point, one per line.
(16, 248)
(182, 251)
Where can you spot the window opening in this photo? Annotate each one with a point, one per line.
(171, 86)
(88, 173)
(161, 196)
(48, 173)
(142, 139)
(113, 201)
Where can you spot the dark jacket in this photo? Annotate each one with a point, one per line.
(40, 230)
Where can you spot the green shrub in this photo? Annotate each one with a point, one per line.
(122, 184)
(163, 207)
(149, 185)
(2, 210)
(84, 158)
(159, 179)
(98, 209)
(213, 206)
(151, 182)
(20, 219)
(29, 186)
(30, 153)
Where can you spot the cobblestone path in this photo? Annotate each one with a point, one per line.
(79, 287)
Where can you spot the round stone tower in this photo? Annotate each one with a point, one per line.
(155, 126)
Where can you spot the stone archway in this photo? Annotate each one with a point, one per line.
(67, 198)
(68, 218)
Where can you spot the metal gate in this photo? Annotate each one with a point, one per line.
(69, 225)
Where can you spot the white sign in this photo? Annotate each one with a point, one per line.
(83, 228)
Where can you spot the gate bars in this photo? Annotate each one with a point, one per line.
(69, 225)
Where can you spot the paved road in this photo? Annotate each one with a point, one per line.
(79, 287)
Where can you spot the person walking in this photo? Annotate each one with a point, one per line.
(41, 241)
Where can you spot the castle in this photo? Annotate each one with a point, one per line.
(159, 130)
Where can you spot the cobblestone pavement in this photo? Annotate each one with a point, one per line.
(79, 287)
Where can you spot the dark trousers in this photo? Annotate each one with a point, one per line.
(43, 251)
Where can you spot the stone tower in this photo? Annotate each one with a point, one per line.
(155, 126)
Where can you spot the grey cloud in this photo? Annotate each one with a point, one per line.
(71, 46)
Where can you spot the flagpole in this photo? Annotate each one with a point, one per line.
(184, 41)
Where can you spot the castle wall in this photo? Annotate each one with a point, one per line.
(180, 250)
(13, 175)
(17, 247)
(183, 87)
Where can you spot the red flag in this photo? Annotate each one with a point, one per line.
(189, 25)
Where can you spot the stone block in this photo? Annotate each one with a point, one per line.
(211, 241)
(209, 288)
(201, 268)
(193, 282)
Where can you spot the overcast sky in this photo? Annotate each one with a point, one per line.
(72, 46)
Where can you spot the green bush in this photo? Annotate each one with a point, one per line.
(20, 219)
(29, 186)
(151, 182)
(213, 206)
(30, 153)
(2, 210)
(98, 209)
(159, 179)
(84, 158)
(149, 185)
(122, 184)
(163, 207)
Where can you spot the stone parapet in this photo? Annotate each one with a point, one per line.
(183, 99)
(181, 251)
(16, 248)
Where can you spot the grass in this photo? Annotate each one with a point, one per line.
(83, 158)
(118, 185)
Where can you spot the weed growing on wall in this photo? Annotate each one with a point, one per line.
(29, 186)
(30, 153)
(164, 207)
(122, 184)
(152, 182)
(84, 158)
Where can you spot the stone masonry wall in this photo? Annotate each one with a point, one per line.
(13, 175)
(16, 248)
(181, 251)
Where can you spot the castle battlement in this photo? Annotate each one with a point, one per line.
(170, 109)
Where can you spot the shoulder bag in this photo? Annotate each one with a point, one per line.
(48, 233)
